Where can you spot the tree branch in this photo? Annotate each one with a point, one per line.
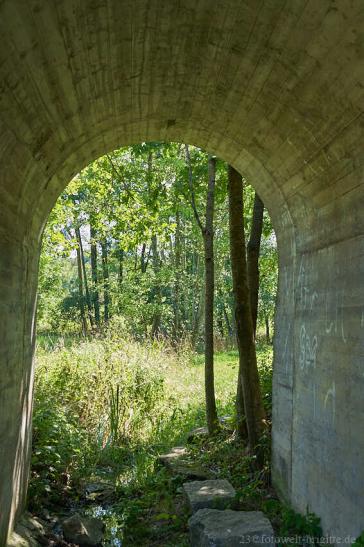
(119, 176)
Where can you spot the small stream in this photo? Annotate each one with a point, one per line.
(113, 530)
(97, 502)
(113, 535)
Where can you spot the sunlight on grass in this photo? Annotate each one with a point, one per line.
(116, 404)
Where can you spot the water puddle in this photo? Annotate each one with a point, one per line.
(113, 530)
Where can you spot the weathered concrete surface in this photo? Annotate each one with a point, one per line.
(210, 527)
(216, 493)
(275, 88)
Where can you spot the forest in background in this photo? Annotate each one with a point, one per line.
(157, 287)
(122, 241)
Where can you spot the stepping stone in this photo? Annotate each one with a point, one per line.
(176, 453)
(198, 433)
(201, 432)
(177, 464)
(189, 472)
(209, 494)
(29, 532)
(210, 527)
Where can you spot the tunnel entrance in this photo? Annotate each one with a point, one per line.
(274, 88)
(119, 374)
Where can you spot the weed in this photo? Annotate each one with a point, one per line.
(118, 404)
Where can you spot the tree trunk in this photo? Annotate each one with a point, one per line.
(95, 287)
(241, 425)
(156, 266)
(253, 251)
(142, 259)
(208, 239)
(267, 333)
(80, 293)
(227, 321)
(220, 321)
(105, 275)
(207, 231)
(177, 273)
(87, 292)
(248, 370)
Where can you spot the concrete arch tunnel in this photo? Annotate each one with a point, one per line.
(274, 87)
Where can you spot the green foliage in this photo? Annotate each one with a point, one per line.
(118, 404)
(61, 452)
(89, 398)
(307, 527)
(121, 391)
(293, 528)
(359, 542)
(130, 198)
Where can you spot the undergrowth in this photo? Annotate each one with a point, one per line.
(113, 404)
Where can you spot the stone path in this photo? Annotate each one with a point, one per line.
(177, 462)
(217, 494)
(214, 528)
(213, 522)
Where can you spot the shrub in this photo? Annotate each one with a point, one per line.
(91, 399)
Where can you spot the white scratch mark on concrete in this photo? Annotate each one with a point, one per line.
(331, 394)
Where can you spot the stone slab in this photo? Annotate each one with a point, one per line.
(176, 453)
(217, 493)
(177, 463)
(214, 528)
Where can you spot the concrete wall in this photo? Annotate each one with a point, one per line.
(275, 88)
(17, 301)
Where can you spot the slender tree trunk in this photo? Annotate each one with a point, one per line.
(105, 275)
(87, 292)
(220, 322)
(227, 321)
(248, 370)
(208, 238)
(207, 231)
(253, 251)
(80, 293)
(94, 273)
(267, 332)
(156, 266)
(142, 258)
(177, 273)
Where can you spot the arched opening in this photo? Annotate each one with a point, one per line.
(137, 200)
(38, 206)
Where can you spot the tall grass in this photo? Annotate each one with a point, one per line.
(115, 404)
(94, 401)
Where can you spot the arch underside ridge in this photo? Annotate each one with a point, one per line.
(274, 88)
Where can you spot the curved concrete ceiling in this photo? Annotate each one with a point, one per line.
(276, 88)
